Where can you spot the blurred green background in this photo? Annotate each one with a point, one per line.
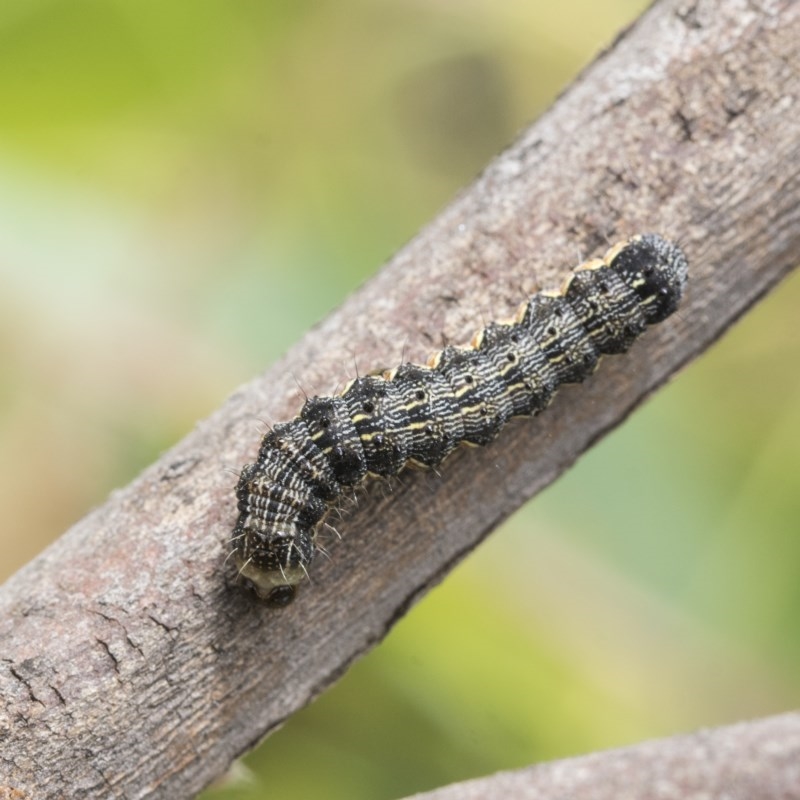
(185, 187)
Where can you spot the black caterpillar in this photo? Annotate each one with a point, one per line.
(420, 414)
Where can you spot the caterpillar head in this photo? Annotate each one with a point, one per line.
(275, 561)
(655, 269)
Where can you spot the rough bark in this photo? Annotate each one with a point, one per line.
(739, 762)
(130, 664)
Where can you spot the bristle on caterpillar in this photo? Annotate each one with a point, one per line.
(419, 414)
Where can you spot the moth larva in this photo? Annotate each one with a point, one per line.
(420, 414)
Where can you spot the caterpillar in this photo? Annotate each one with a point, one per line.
(419, 414)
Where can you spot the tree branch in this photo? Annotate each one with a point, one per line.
(738, 762)
(130, 664)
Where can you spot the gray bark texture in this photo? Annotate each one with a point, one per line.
(131, 664)
(751, 761)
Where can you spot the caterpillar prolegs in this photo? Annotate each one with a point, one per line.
(420, 414)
